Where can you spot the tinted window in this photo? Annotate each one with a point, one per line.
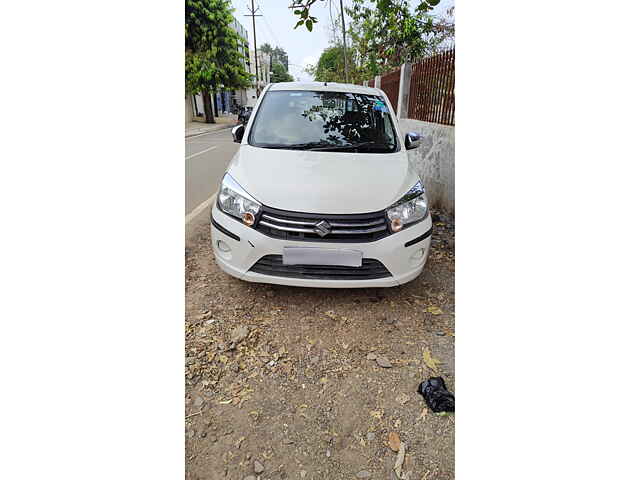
(324, 121)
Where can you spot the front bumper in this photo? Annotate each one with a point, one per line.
(247, 246)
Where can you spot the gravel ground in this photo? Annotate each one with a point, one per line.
(294, 383)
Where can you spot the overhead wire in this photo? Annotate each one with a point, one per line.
(273, 35)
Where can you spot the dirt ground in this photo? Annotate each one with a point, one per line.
(292, 377)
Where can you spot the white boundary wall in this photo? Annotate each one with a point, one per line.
(434, 160)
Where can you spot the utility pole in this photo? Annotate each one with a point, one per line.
(344, 45)
(255, 44)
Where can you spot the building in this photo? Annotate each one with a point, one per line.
(263, 75)
(263, 71)
(240, 96)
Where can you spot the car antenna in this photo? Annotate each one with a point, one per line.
(325, 84)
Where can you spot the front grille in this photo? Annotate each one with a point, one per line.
(272, 265)
(285, 225)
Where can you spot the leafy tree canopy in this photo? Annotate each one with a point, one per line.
(281, 56)
(278, 54)
(279, 73)
(382, 34)
(330, 66)
(213, 49)
(387, 33)
(302, 9)
(266, 48)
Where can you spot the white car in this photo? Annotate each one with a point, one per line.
(321, 192)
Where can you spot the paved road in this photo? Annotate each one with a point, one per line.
(206, 159)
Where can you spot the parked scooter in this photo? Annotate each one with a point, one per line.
(243, 116)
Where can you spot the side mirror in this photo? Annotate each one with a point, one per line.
(237, 132)
(412, 140)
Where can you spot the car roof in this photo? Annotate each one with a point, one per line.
(325, 86)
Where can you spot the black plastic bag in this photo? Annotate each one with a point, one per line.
(435, 393)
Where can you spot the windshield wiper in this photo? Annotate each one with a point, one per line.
(293, 146)
(354, 146)
(324, 146)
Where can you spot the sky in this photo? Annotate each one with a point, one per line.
(276, 28)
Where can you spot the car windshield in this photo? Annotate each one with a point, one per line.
(307, 120)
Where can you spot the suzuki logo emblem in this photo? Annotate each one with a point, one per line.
(322, 228)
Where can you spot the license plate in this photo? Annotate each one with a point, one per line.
(321, 256)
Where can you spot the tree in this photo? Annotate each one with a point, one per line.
(277, 54)
(381, 36)
(302, 9)
(213, 51)
(266, 48)
(279, 73)
(330, 66)
(281, 56)
(445, 30)
(391, 32)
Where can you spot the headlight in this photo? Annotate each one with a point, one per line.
(235, 201)
(411, 208)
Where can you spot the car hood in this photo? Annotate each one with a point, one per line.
(322, 182)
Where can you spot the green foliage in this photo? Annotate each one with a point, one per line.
(330, 66)
(277, 54)
(279, 73)
(281, 56)
(266, 48)
(387, 33)
(302, 8)
(382, 35)
(213, 49)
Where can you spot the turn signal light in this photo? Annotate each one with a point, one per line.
(248, 218)
(396, 224)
